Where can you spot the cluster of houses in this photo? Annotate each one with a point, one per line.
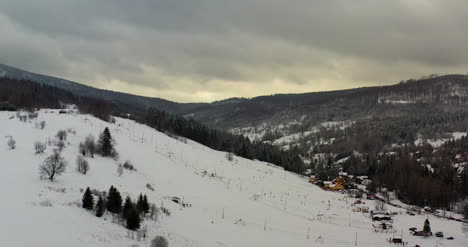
(336, 184)
(339, 183)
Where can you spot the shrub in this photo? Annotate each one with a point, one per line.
(128, 165)
(159, 241)
(82, 165)
(61, 135)
(42, 125)
(60, 145)
(120, 170)
(39, 147)
(11, 143)
(150, 187)
(166, 211)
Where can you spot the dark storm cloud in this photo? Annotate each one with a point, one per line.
(211, 49)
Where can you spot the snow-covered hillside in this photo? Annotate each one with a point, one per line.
(233, 203)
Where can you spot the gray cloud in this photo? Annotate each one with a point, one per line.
(209, 49)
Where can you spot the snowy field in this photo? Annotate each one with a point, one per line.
(271, 207)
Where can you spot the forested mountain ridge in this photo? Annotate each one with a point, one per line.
(133, 102)
(312, 108)
(433, 103)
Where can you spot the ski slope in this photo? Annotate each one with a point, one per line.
(271, 207)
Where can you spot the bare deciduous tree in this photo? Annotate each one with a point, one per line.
(53, 166)
(39, 147)
(90, 145)
(82, 165)
(153, 212)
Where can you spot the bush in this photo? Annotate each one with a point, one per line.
(120, 170)
(42, 125)
(32, 114)
(166, 211)
(60, 145)
(82, 165)
(11, 143)
(128, 165)
(150, 187)
(39, 147)
(159, 241)
(61, 135)
(229, 156)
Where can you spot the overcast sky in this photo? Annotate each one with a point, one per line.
(205, 50)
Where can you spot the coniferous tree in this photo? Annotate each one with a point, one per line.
(142, 205)
(105, 143)
(128, 205)
(100, 207)
(427, 226)
(88, 200)
(133, 220)
(145, 205)
(139, 204)
(114, 201)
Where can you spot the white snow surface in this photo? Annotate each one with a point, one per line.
(438, 142)
(278, 208)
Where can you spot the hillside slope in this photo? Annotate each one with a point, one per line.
(272, 207)
(125, 100)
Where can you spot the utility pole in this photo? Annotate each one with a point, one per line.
(355, 240)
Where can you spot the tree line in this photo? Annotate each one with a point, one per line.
(290, 160)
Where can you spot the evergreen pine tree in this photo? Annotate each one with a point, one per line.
(427, 226)
(110, 199)
(114, 201)
(88, 200)
(100, 207)
(128, 205)
(139, 204)
(133, 219)
(105, 143)
(145, 205)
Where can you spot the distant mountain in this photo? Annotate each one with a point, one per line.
(131, 101)
(312, 108)
(275, 117)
